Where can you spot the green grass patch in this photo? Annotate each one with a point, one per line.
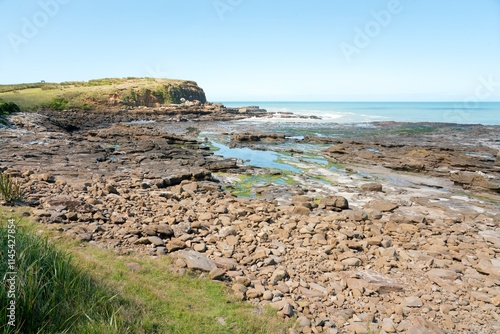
(93, 94)
(79, 288)
(52, 294)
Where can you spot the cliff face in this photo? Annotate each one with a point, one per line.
(161, 93)
(189, 90)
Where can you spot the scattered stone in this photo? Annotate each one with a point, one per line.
(352, 262)
(413, 301)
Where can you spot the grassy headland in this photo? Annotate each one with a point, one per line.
(95, 94)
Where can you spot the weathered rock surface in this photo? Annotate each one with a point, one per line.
(471, 166)
(354, 261)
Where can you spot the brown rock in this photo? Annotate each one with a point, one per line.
(156, 241)
(422, 326)
(301, 210)
(352, 262)
(216, 274)
(253, 293)
(164, 230)
(413, 301)
(118, 219)
(375, 281)
(175, 244)
(278, 275)
(382, 206)
(376, 187)
(335, 203)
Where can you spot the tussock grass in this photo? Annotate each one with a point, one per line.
(52, 294)
(11, 190)
(79, 288)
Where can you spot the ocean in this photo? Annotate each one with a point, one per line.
(486, 113)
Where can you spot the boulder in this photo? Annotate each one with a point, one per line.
(476, 180)
(335, 203)
(197, 261)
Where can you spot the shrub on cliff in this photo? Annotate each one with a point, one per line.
(58, 103)
(7, 108)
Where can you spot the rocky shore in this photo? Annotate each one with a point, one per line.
(405, 238)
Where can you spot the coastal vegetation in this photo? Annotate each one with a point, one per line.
(99, 93)
(7, 108)
(75, 288)
(10, 189)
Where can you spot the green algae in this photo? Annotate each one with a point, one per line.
(246, 185)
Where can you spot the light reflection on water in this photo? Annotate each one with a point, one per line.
(263, 159)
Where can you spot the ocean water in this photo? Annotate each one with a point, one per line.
(486, 113)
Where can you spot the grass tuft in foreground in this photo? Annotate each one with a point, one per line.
(52, 294)
(11, 190)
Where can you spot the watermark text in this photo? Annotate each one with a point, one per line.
(31, 26)
(11, 275)
(364, 36)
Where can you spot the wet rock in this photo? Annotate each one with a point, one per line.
(255, 137)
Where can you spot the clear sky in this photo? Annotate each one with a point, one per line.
(323, 50)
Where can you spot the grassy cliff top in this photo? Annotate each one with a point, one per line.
(100, 92)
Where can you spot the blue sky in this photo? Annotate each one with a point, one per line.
(324, 50)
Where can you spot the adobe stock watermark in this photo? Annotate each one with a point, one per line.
(156, 72)
(11, 274)
(485, 89)
(224, 6)
(364, 36)
(30, 27)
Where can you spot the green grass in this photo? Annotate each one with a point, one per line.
(79, 288)
(52, 294)
(94, 93)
